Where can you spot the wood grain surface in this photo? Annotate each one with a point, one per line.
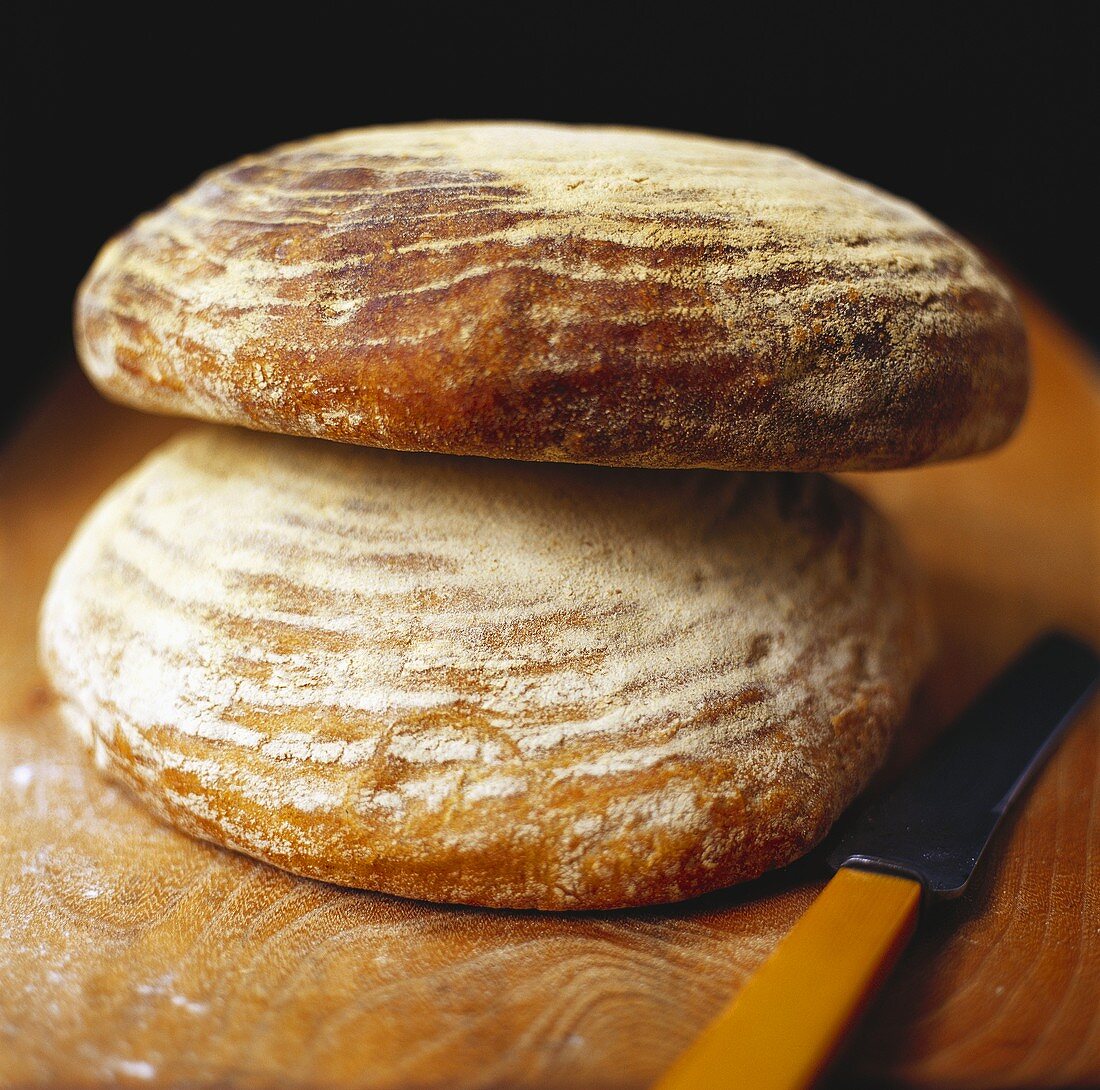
(133, 956)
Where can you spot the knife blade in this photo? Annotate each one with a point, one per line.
(935, 825)
(917, 844)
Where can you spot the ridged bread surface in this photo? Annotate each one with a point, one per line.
(612, 296)
(487, 682)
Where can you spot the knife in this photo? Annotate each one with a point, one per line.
(917, 845)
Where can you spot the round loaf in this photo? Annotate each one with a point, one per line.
(494, 683)
(612, 296)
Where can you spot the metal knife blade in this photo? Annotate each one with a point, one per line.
(936, 823)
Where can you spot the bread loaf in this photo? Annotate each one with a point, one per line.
(485, 682)
(612, 296)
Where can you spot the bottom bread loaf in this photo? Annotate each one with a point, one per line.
(494, 683)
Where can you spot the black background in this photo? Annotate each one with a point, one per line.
(984, 114)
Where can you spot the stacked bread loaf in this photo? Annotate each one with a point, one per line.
(592, 629)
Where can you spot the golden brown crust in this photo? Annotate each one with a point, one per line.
(485, 682)
(613, 296)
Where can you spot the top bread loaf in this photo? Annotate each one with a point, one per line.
(615, 296)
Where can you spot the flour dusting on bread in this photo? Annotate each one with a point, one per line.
(604, 295)
(468, 680)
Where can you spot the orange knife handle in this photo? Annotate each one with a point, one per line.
(788, 1022)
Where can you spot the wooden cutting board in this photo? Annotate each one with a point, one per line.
(131, 955)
